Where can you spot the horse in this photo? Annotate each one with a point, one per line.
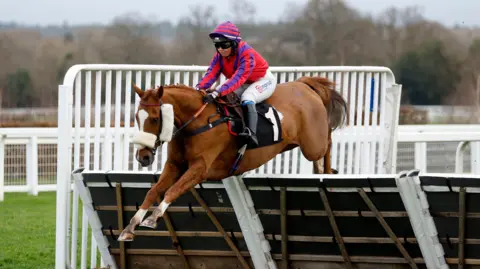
(301, 113)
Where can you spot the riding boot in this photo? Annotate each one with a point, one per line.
(251, 129)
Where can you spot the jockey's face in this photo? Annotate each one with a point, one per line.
(224, 48)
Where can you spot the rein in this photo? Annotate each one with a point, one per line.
(221, 101)
(190, 120)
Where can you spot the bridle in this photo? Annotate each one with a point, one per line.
(159, 142)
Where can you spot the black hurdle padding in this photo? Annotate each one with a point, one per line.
(119, 177)
(442, 192)
(449, 180)
(303, 196)
(133, 194)
(319, 226)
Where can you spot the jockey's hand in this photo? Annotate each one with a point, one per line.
(210, 97)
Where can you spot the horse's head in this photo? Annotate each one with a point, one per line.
(155, 123)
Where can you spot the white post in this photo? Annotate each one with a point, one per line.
(475, 157)
(249, 223)
(459, 156)
(421, 156)
(63, 173)
(2, 164)
(32, 166)
(94, 221)
(392, 101)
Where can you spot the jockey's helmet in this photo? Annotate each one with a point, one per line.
(225, 31)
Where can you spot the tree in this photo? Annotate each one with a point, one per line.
(397, 27)
(130, 39)
(194, 46)
(470, 84)
(19, 88)
(1, 97)
(428, 75)
(45, 80)
(329, 32)
(474, 57)
(243, 12)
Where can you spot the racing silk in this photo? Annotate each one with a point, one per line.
(247, 66)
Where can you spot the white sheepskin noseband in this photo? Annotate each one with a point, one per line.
(167, 122)
(143, 139)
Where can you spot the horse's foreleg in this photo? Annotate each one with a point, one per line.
(194, 175)
(169, 175)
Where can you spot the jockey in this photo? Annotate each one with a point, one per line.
(246, 72)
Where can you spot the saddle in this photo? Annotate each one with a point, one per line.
(229, 107)
(269, 129)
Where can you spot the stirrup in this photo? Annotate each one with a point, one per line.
(249, 135)
(246, 132)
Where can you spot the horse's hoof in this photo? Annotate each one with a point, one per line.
(126, 236)
(149, 223)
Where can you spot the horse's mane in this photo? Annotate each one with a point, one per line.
(179, 86)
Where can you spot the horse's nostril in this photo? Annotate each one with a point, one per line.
(146, 158)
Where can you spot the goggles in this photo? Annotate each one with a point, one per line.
(223, 45)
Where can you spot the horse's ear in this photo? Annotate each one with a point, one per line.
(139, 91)
(160, 92)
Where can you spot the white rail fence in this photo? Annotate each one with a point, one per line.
(29, 155)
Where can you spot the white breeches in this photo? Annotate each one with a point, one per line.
(258, 91)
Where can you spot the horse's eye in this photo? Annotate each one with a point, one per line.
(154, 120)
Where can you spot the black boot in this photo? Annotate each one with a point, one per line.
(252, 118)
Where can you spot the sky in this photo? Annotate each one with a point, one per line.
(45, 12)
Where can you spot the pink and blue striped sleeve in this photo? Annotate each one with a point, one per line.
(212, 73)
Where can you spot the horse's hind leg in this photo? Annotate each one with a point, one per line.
(327, 161)
(317, 169)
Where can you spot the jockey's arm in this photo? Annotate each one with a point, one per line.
(212, 74)
(243, 72)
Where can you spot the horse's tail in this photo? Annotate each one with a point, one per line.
(333, 101)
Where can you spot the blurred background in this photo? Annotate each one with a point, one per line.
(433, 47)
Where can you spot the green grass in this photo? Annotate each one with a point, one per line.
(27, 231)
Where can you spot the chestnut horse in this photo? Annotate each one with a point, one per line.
(311, 109)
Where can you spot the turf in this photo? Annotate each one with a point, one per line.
(27, 231)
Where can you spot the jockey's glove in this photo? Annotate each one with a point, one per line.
(210, 97)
